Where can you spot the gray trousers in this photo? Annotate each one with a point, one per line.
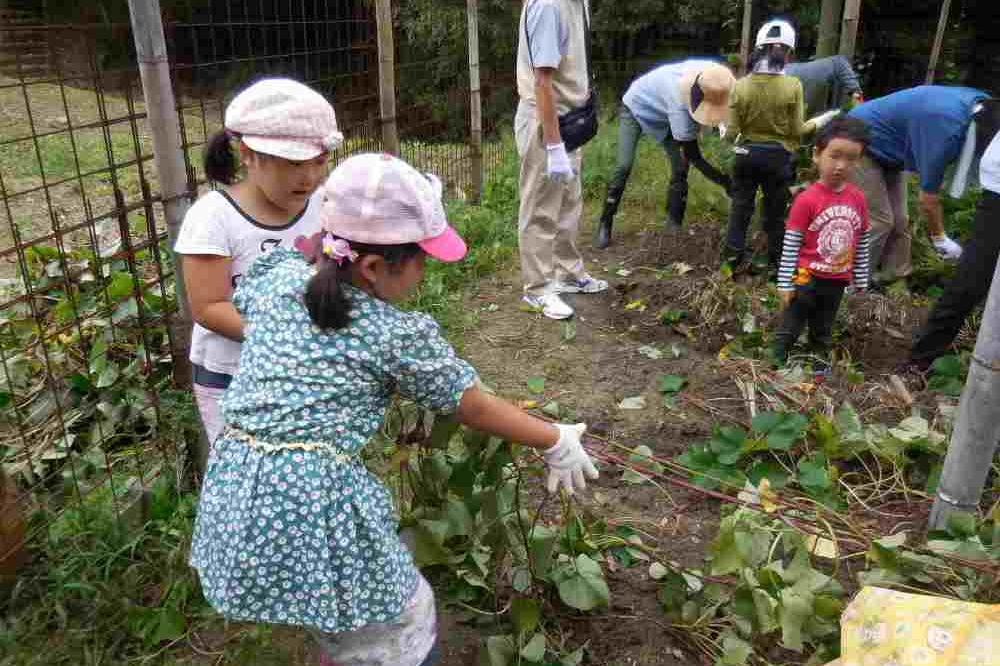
(892, 238)
(682, 154)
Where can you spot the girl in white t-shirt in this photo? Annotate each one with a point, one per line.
(281, 132)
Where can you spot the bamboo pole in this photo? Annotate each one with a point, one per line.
(475, 107)
(745, 38)
(977, 427)
(849, 28)
(387, 76)
(938, 39)
(168, 159)
(829, 22)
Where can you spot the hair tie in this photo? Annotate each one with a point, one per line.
(338, 249)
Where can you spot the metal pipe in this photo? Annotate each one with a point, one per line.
(977, 427)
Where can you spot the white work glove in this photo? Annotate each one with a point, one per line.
(567, 461)
(947, 249)
(558, 168)
(823, 119)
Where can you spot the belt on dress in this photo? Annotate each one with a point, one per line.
(238, 434)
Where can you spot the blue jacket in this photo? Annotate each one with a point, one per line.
(919, 129)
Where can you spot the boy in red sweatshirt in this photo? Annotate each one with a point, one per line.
(826, 241)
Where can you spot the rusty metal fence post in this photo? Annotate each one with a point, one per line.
(168, 157)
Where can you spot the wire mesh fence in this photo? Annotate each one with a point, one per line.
(87, 295)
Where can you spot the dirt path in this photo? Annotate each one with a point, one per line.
(601, 358)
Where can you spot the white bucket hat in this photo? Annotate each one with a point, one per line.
(284, 118)
(776, 31)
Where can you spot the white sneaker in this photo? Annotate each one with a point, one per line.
(585, 285)
(947, 249)
(550, 305)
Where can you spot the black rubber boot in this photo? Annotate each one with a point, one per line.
(602, 237)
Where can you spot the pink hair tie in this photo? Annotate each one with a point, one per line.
(338, 249)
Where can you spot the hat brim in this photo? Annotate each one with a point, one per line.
(447, 246)
(289, 149)
(708, 113)
(711, 115)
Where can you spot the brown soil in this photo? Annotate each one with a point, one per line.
(592, 364)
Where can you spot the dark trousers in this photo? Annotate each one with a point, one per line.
(770, 168)
(682, 154)
(970, 285)
(815, 304)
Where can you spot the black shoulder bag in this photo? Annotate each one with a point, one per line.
(576, 126)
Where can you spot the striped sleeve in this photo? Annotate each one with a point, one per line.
(861, 263)
(789, 259)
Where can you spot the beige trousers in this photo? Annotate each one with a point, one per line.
(891, 236)
(549, 217)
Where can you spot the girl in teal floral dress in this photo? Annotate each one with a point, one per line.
(291, 527)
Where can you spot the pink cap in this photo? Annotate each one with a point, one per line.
(382, 200)
(285, 118)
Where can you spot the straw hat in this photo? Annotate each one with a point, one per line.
(705, 92)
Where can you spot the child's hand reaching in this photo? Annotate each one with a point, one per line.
(567, 461)
(787, 297)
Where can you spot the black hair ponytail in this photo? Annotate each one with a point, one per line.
(221, 163)
(325, 300)
(328, 305)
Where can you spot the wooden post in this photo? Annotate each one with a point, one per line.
(977, 427)
(938, 39)
(745, 38)
(849, 28)
(475, 107)
(829, 21)
(168, 159)
(387, 76)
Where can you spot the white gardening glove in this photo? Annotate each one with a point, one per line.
(567, 461)
(558, 168)
(823, 119)
(947, 249)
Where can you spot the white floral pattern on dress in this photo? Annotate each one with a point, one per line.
(303, 537)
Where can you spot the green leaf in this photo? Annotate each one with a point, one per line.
(672, 383)
(813, 473)
(827, 607)
(120, 286)
(534, 650)
(766, 609)
(796, 608)
(946, 385)
(525, 612)
(458, 518)
(108, 376)
(735, 651)
(583, 586)
(725, 554)
(498, 651)
(776, 475)
(536, 385)
(444, 429)
(171, 626)
(948, 366)
(552, 409)
(961, 525)
(673, 592)
(728, 443)
(782, 429)
(427, 548)
(542, 544)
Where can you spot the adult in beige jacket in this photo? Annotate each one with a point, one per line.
(552, 79)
